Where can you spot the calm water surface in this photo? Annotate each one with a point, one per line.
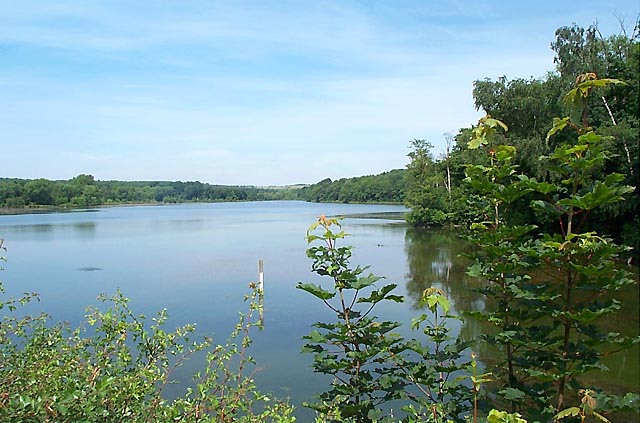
(198, 259)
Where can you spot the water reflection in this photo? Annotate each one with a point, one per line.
(196, 260)
(84, 230)
(81, 229)
(433, 258)
(84, 226)
(42, 228)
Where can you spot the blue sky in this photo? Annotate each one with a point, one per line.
(256, 92)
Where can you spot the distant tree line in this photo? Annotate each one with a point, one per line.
(85, 191)
(387, 187)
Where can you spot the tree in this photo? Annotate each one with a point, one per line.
(527, 106)
(83, 179)
(39, 192)
(426, 194)
(356, 350)
(549, 289)
(10, 189)
(448, 137)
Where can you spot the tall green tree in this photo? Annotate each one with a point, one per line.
(527, 107)
(356, 349)
(427, 195)
(549, 290)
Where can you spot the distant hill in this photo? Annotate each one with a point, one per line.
(85, 191)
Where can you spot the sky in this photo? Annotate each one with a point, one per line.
(257, 92)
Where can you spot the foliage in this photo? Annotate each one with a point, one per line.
(371, 365)
(434, 368)
(117, 368)
(356, 349)
(499, 259)
(525, 106)
(426, 191)
(496, 416)
(85, 191)
(387, 187)
(550, 290)
(588, 406)
(528, 106)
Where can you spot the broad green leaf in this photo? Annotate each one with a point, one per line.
(496, 416)
(577, 96)
(365, 281)
(547, 207)
(558, 125)
(477, 142)
(475, 270)
(379, 295)
(316, 290)
(542, 187)
(494, 123)
(512, 393)
(571, 411)
(505, 152)
(315, 336)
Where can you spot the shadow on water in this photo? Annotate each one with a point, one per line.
(89, 269)
(392, 215)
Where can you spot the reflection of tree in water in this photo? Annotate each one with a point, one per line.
(41, 228)
(88, 226)
(434, 260)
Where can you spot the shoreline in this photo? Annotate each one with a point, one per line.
(13, 211)
(10, 211)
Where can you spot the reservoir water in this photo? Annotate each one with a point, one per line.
(196, 260)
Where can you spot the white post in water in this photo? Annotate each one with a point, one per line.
(261, 289)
